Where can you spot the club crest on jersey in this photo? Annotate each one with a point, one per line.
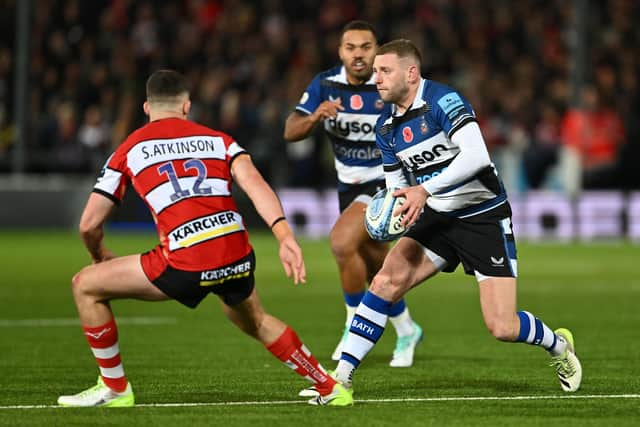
(379, 104)
(423, 127)
(407, 134)
(356, 102)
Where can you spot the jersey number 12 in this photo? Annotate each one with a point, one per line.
(179, 192)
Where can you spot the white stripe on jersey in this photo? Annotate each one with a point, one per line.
(204, 228)
(109, 181)
(357, 174)
(154, 151)
(352, 127)
(424, 150)
(342, 77)
(160, 197)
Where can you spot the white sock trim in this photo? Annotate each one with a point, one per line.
(106, 353)
(115, 372)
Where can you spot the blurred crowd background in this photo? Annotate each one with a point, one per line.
(248, 63)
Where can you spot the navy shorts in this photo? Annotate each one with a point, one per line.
(361, 192)
(233, 282)
(482, 243)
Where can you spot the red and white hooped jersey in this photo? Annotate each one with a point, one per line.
(182, 172)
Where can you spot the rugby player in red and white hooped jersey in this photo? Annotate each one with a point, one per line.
(184, 171)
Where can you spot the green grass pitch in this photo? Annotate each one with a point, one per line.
(174, 355)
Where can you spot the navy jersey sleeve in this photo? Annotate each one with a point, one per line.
(384, 141)
(451, 110)
(311, 98)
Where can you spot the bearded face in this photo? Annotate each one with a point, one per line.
(357, 50)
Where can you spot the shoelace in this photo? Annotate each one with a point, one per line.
(563, 365)
(93, 390)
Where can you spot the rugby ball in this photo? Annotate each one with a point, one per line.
(379, 220)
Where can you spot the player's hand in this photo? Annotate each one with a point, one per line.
(328, 110)
(291, 259)
(412, 207)
(105, 255)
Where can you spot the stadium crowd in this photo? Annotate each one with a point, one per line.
(248, 61)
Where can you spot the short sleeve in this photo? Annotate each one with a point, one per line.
(113, 179)
(311, 98)
(233, 150)
(451, 111)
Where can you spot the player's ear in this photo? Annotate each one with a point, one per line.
(145, 107)
(413, 73)
(186, 107)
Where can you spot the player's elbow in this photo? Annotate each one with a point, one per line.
(88, 227)
(291, 136)
(295, 128)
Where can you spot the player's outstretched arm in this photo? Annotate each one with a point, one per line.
(268, 205)
(299, 126)
(93, 218)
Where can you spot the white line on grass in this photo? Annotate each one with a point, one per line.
(12, 323)
(401, 400)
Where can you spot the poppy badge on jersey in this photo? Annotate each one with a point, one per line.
(407, 134)
(356, 102)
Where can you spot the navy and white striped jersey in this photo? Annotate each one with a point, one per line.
(419, 142)
(352, 132)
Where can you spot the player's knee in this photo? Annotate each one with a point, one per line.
(342, 245)
(80, 284)
(77, 283)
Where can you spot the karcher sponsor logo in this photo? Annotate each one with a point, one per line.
(205, 228)
(219, 275)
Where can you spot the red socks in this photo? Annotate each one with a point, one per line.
(103, 341)
(289, 349)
